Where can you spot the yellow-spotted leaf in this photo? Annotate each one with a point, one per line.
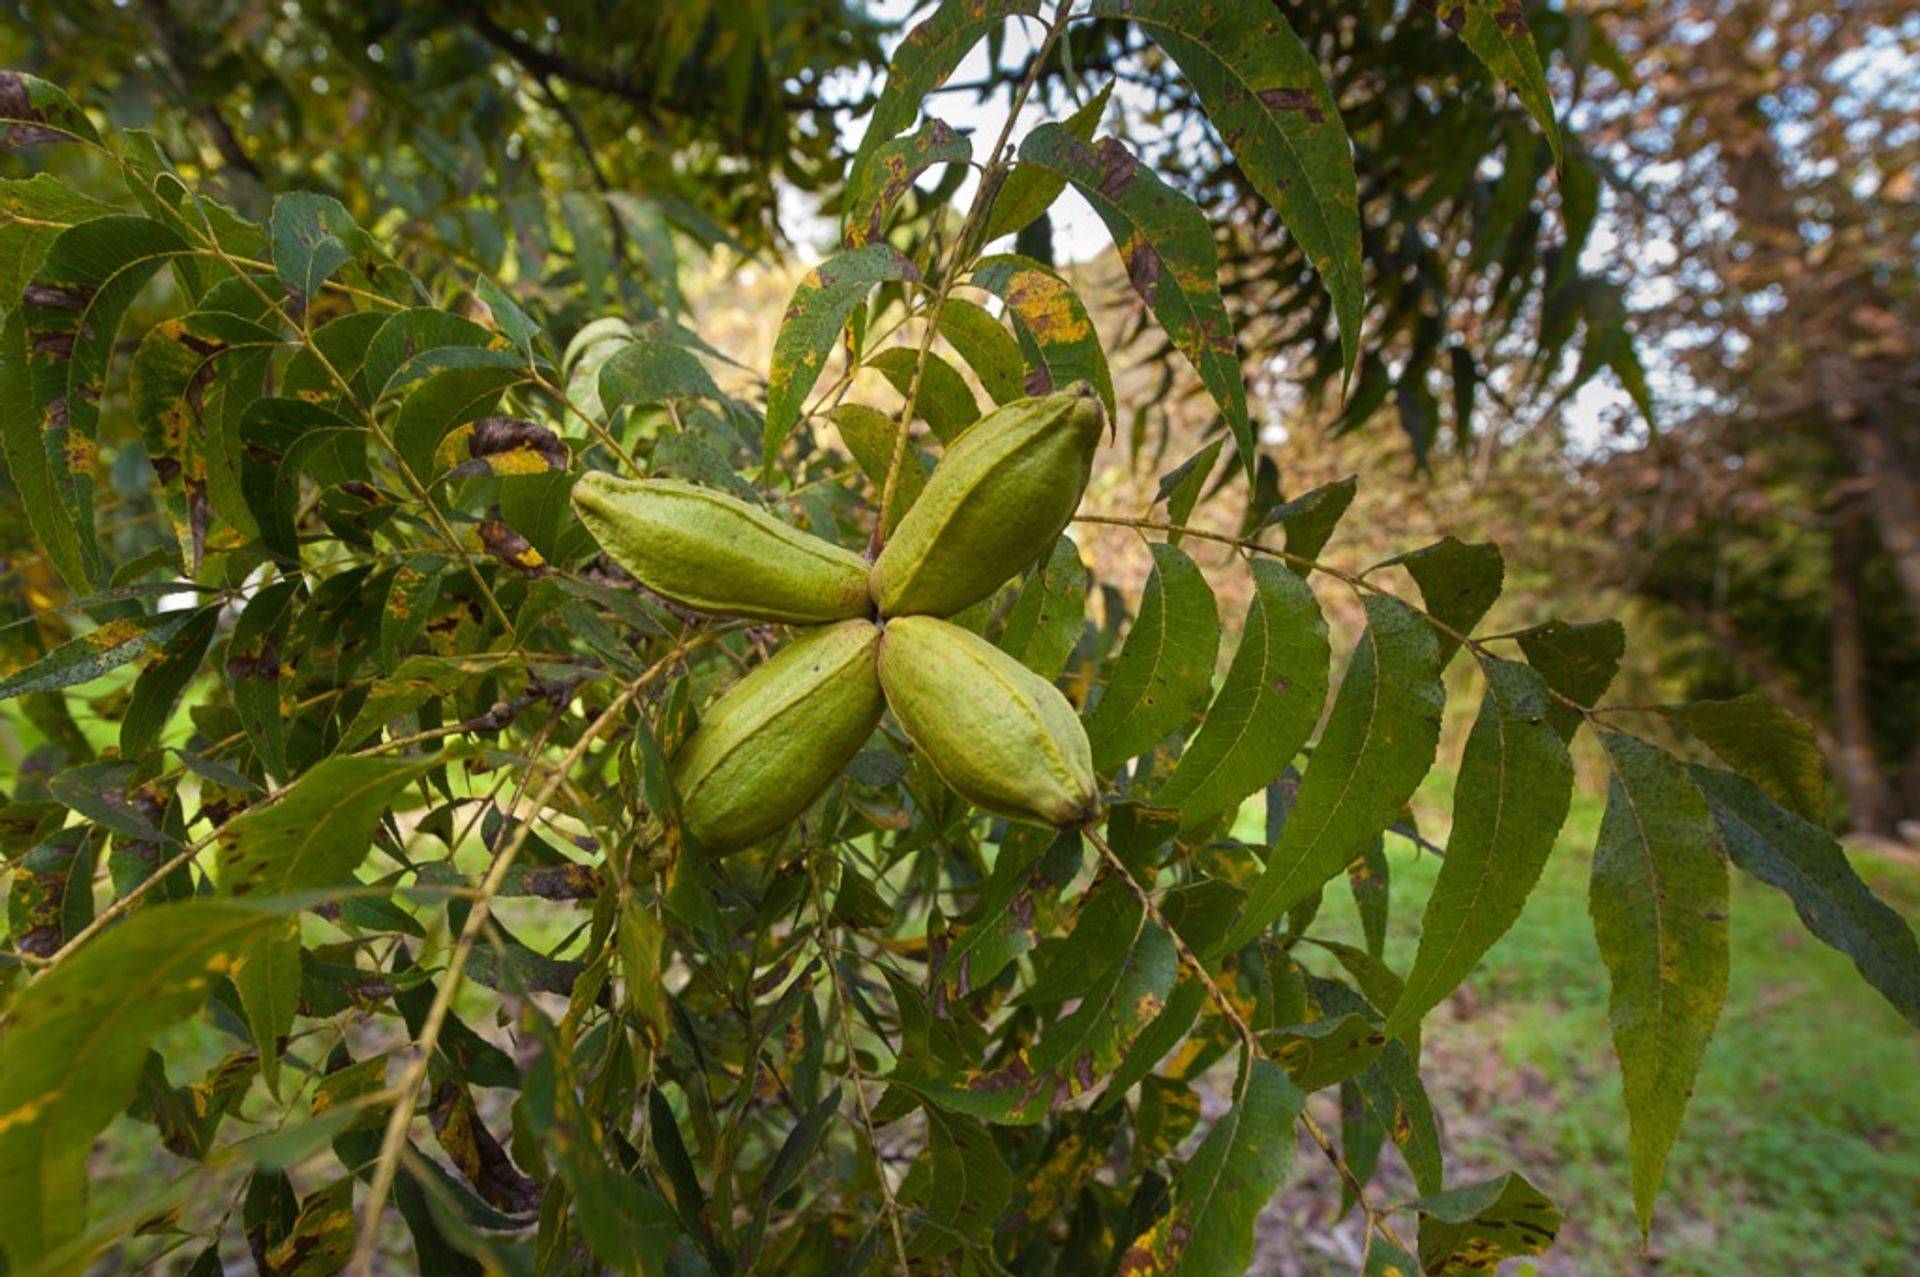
(1169, 253)
(76, 1044)
(814, 318)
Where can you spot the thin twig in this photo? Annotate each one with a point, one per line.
(982, 198)
(407, 1101)
(889, 1207)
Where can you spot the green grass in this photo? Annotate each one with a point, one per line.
(1801, 1150)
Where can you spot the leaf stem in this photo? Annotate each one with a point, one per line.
(1376, 1218)
(1355, 580)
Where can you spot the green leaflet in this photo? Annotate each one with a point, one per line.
(158, 688)
(870, 435)
(1309, 519)
(1181, 486)
(1220, 1191)
(1496, 31)
(104, 648)
(1052, 324)
(967, 1187)
(1803, 861)
(1030, 190)
(628, 1226)
(1045, 624)
(1266, 94)
(1162, 678)
(795, 1156)
(1384, 1259)
(1659, 904)
(814, 318)
(944, 400)
(76, 1045)
(1458, 582)
(1760, 740)
(1370, 880)
(649, 371)
(314, 238)
(314, 836)
(987, 347)
(1467, 1229)
(319, 831)
(414, 344)
(1377, 746)
(889, 172)
(1169, 253)
(1578, 661)
(922, 62)
(1268, 705)
(1515, 783)
(55, 349)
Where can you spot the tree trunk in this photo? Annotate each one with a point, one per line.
(1891, 475)
(1868, 800)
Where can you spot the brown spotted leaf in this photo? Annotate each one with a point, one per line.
(39, 914)
(34, 112)
(510, 446)
(1496, 31)
(1222, 1188)
(1659, 904)
(192, 379)
(477, 1154)
(1265, 93)
(107, 647)
(1471, 1229)
(921, 63)
(511, 548)
(54, 351)
(1169, 253)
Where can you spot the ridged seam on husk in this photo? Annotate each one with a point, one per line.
(753, 730)
(1053, 755)
(785, 728)
(682, 514)
(997, 454)
(1024, 693)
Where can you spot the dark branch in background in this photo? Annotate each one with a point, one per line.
(184, 62)
(544, 64)
(592, 157)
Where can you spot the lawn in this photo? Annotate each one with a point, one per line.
(1801, 1151)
